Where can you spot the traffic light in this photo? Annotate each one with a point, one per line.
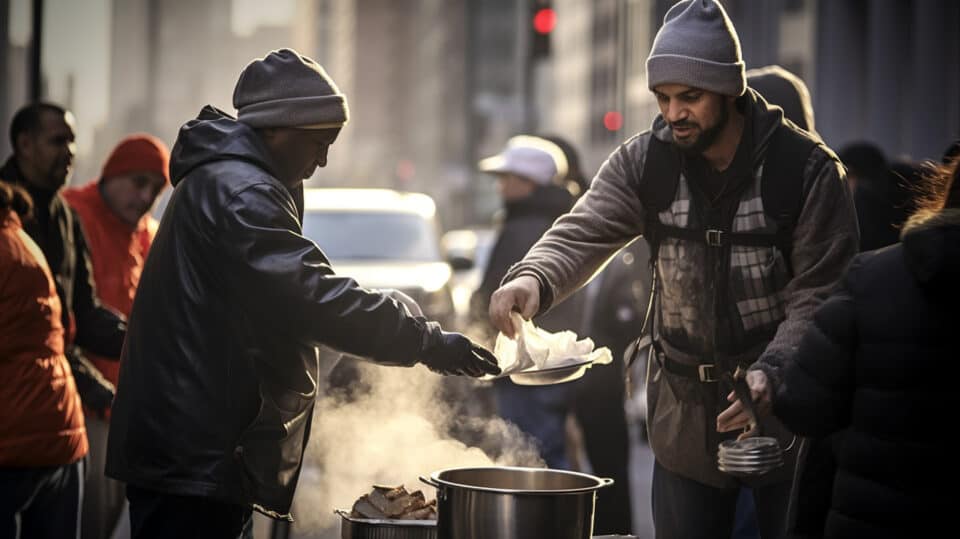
(543, 19)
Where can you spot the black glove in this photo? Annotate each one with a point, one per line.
(453, 353)
(96, 392)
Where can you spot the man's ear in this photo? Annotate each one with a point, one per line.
(24, 143)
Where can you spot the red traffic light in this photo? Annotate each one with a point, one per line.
(613, 120)
(544, 20)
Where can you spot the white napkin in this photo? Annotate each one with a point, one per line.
(537, 349)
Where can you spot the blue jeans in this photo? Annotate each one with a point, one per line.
(745, 523)
(41, 502)
(686, 509)
(541, 412)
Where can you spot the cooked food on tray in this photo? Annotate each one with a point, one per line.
(385, 502)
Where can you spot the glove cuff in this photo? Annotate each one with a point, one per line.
(432, 334)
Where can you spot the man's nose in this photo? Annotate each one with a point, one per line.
(322, 158)
(676, 111)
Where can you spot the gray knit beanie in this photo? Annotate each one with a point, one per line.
(697, 46)
(287, 89)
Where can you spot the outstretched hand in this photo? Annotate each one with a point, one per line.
(456, 354)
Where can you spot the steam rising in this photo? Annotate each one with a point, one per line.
(390, 435)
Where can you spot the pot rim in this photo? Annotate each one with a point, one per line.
(435, 481)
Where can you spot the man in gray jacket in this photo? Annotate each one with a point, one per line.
(750, 225)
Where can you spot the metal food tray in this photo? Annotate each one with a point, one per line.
(369, 528)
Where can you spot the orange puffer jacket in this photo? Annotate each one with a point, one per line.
(42, 420)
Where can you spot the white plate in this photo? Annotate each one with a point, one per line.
(552, 375)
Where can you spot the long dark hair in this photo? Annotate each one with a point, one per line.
(14, 197)
(939, 190)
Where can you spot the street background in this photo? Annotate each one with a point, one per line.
(435, 85)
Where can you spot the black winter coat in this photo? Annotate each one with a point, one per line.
(220, 367)
(876, 369)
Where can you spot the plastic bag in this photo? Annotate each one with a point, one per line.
(537, 349)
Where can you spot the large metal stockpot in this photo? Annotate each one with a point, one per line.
(514, 503)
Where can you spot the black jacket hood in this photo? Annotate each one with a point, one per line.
(213, 136)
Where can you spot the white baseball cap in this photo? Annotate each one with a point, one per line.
(533, 158)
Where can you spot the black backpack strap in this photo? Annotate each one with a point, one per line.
(781, 183)
(657, 188)
(781, 189)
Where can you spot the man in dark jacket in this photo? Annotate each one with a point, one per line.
(220, 368)
(42, 136)
(732, 295)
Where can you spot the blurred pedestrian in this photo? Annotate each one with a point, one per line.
(219, 370)
(867, 370)
(610, 315)
(866, 164)
(42, 136)
(42, 436)
(874, 193)
(575, 180)
(114, 214)
(786, 90)
(750, 226)
(529, 173)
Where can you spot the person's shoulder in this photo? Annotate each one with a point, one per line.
(238, 172)
(637, 144)
(875, 268)
(229, 178)
(822, 154)
(14, 245)
(629, 154)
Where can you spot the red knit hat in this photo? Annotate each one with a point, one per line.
(138, 153)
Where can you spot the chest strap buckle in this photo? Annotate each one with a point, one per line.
(714, 237)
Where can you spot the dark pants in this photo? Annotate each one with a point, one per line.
(41, 502)
(541, 412)
(160, 515)
(686, 509)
